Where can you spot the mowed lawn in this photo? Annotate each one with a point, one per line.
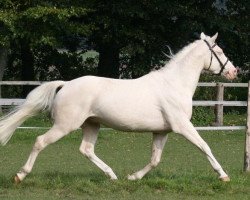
(61, 172)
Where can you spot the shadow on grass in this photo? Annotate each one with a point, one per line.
(97, 182)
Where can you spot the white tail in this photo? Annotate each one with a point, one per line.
(41, 98)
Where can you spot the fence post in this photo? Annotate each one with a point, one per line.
(219, 107)
(247, 147)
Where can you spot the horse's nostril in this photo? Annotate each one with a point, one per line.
(234, 71)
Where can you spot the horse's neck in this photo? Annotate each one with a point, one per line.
(183, 72)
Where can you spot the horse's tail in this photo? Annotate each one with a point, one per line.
(41, 98)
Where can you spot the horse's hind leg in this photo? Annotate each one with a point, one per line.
(159, 141)
(51, 136)
(90, 133)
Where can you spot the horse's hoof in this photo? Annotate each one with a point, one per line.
(132, 177)
(17, 180)
(225, 179)
(113, 178)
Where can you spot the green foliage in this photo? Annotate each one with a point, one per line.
(203, 116)
(44, 24)
(63, 65)
(52, 64)
(44, 27)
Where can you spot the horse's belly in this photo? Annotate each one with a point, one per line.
(134, 121)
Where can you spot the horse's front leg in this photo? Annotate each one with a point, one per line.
(184, 127)
(159, 141)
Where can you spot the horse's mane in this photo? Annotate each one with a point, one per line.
(181, 54)
(184, 51)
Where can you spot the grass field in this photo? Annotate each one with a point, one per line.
(61, 172)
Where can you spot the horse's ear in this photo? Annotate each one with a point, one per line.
(203, 36)
(214, 37)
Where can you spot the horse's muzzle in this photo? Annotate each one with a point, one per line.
(232, 73)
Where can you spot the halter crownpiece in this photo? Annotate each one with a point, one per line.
(213, 53)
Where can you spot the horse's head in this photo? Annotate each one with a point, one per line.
(215, 59)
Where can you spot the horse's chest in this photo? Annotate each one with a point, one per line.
(174, 106)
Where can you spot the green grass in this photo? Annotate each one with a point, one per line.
(61, 172)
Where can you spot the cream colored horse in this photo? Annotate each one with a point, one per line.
(158, 102)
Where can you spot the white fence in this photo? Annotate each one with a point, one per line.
(219, 104)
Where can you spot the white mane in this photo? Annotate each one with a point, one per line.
(183, 52)
(179, 56)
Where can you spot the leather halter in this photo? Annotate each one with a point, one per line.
(215, 55)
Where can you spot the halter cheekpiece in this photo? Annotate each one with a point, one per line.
(215, 55)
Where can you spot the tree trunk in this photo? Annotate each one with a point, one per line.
(3, 64)
(108, 65)
(27, 73)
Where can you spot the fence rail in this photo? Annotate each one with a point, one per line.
(11, 102)
(225, 84)
(199, 84)
(224, 103)
(21, 82)
(16, 102)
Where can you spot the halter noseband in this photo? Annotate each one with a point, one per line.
(213, 53)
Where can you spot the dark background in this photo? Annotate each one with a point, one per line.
(48, 40)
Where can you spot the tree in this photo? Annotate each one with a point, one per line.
(119, 27)
(28, 25)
